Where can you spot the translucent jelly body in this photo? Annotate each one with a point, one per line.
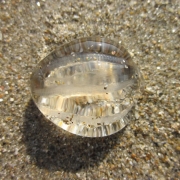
(85, 93)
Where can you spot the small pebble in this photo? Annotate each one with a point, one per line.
(11, 99)
(38, 4)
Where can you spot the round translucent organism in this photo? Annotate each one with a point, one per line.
(87, 86)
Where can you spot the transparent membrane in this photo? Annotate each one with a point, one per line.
(87, 86)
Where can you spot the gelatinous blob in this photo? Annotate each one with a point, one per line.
(86, 86)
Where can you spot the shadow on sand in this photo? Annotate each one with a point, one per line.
(52, 148)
